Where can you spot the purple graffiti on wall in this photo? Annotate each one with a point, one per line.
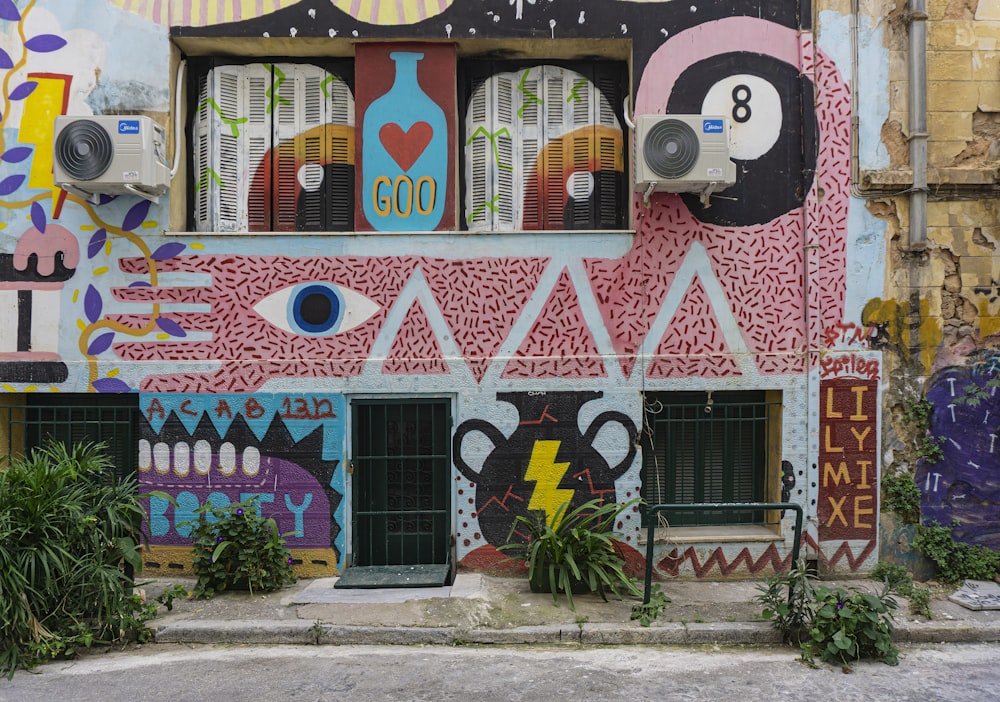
(964, 486)
(287, 478)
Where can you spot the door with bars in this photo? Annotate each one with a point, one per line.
(401, 469)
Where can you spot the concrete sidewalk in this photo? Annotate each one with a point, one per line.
(479, 609)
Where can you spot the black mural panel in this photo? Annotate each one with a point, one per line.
(776, 118)
(546, 463)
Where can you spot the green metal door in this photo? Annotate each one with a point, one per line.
(402, 459)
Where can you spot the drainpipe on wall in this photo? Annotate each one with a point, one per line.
(918, 123)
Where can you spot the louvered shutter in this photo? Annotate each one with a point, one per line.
(610, 185)
(219, 160)
(530, 110)
(288, 113)
(477, 154)
(580, 124)
(291, 122)
(257, 144)
(202, 162)
(339, 182)
(313, 172)
(491, 200)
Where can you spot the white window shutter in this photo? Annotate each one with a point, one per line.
(201, 138)
(228, 85)
(490, 166)
(289, 114)
(531, 109)
(257, 132)
(477, 158)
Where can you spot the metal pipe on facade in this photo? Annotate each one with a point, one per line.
(918, 122)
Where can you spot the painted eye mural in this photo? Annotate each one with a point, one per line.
(316, 309)
(773, 133)
(544, 147)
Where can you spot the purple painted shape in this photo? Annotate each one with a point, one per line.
(38, 217)
(97, 242)
(5, 61)
(964, 487)
(18, 153)
(23, 90)
(9, 11)
(167, 251)
(101, 344)
(92, 304)
(10, 184)
(111, 385)
(170, 326)
(44, 43)
(276, 477)
(136, 216)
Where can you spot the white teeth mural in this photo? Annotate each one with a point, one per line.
(163, 460)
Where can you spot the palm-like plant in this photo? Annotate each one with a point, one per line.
(575, 551)
(66, 532)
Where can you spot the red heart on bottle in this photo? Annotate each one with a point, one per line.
(405, 147)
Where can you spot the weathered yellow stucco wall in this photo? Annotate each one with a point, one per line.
(942, 301)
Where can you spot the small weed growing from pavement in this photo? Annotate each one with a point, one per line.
(787, 601)
(899, 579)
(649, 611)
(836, 625)
(235, 547)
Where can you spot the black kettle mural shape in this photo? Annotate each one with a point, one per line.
(545, 461)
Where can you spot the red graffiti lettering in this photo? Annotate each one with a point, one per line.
(253, 409)
(298, 408)
(155, 408)
(222, 408)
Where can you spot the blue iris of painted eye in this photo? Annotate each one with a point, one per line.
(315, 309)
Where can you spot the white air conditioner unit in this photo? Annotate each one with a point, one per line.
(682, 153)
(111, 155)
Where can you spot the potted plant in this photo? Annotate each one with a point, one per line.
(574, 551)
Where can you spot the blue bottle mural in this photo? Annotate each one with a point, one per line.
(405, 154)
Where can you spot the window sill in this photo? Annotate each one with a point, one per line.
(711, 534)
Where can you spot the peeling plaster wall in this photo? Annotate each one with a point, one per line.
(939, 319)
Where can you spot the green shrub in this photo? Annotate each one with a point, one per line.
(235, 547)
(575, 552)
(67, 531)
(955, 560)
(837, 625)
(917, 416)
(901, 494)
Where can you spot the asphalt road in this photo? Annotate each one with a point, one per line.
(952, 673)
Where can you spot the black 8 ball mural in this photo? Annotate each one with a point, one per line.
(773, 133)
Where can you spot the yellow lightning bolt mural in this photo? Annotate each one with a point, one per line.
(546, 474)
(41, 108)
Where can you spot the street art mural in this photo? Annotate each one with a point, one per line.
(848, 461)
(558, 332)
(547, 465)
(282, 451)
(962, 490)
(407, 104)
